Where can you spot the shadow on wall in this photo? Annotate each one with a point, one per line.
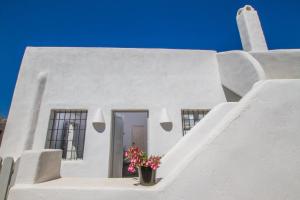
(99, 122)
(2, 127)
(230, 95)
(167, 126)
(165, 121)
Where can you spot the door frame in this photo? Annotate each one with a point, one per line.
(112, 134)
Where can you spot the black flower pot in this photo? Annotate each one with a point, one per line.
(147, 176)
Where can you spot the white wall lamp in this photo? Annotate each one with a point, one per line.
(98, 121)
(165, 121)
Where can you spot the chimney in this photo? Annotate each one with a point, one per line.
(250, 29)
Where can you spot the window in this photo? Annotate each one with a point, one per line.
(67, 132)
(190, 118)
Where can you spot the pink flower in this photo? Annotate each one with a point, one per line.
(139, 158)
(131, 169)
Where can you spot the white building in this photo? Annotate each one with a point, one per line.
(77, 82)
(95, 102)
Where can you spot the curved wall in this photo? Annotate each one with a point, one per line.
(239, 71)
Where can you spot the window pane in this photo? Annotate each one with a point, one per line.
(67, 132)
(190, 118)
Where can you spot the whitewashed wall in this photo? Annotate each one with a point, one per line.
(239, 71)
(108, 78)
(252, 153)
(280, 64)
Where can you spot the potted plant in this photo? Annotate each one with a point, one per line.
(146, 166)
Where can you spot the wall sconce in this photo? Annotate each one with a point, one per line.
(165, 121)
(98, 121)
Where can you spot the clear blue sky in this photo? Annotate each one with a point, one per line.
(187, 24)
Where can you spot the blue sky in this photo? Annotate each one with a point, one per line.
(188, 24)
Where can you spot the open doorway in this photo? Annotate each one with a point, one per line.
(128, 128)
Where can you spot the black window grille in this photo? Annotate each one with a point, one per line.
(67, 132)
(190, 118)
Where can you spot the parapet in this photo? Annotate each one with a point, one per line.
(39, 166)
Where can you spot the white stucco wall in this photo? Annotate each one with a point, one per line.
(280, 64)
(200, 132)
(253, 153)
(239, 71)
(110, 79)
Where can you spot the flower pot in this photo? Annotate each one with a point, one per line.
(147, 175)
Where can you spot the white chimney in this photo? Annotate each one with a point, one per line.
(250, 29)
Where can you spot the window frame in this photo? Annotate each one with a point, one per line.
(56, 129)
